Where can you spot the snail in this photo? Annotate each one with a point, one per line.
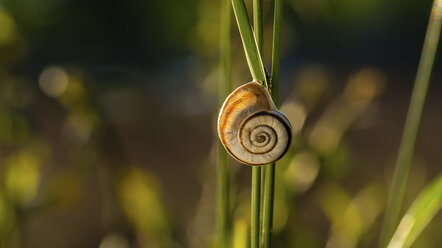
(251, 128)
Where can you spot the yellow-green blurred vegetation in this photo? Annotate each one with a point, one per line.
(107, 122)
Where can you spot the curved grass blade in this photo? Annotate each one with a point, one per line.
(421, 212)
(411, 130)
(251, 50)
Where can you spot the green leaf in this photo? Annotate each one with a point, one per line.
(421, 212)
(249, 42)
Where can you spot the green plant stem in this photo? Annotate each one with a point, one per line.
(251, 50)
(256, 171)
(258, 26)
(276, 50)
(270, 169)
(255, 207)
(222, 215)
(412, 124)
(269, 189)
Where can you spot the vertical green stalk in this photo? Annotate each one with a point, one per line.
(276, 50)
(256, 170)
(255, 207)
(258, 25)
(222, 213)
(270, 169)
(412, 124)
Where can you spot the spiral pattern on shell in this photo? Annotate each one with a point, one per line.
(250, 127)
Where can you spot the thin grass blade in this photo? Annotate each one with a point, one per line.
(421, 212)
(253, 55)
(411, 130)
(256, 171)
(270, 169)
(222, 211)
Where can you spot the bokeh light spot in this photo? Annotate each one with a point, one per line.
(54, 81)
(7, 28)
(114, 240)
(22, 177)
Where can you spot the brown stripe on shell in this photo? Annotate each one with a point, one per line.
(248, 100)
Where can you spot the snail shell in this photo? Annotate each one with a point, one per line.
(251, 128)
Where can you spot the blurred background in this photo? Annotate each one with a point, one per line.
(108, 108)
